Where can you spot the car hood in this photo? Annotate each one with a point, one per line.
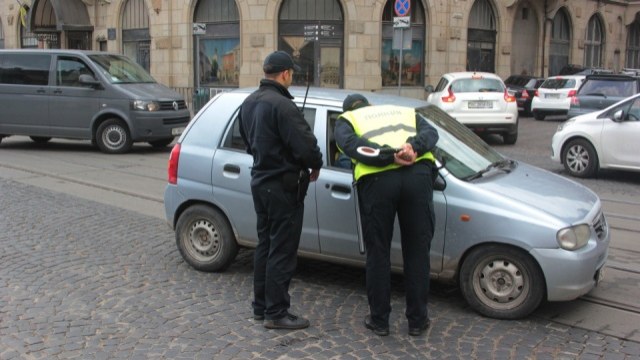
(542, 192)
(151, 91)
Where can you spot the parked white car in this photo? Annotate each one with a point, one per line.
(478, 100)
(605, 139)
(553, 97)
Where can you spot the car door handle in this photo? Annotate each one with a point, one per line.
(232, 168)
(341, 189)
(57, 91)
(41, 91)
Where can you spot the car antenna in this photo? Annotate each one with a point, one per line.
(304, 102)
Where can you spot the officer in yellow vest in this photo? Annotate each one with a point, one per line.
(392, 183)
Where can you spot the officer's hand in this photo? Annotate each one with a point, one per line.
(406, 156)
(314, 174)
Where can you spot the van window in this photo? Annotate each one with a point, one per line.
(69, 69)
(120, 69)
(25, 69)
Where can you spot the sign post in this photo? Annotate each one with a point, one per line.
(402, 8)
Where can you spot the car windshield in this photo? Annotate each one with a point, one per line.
(608, 87)
(120, 69)
(559, 84)
(463, 153)
(477, 85)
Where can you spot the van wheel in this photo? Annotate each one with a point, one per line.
(501, 282)
(112, 137)
(205, 239)
(580, 159)
(40, 139)
(161, 143)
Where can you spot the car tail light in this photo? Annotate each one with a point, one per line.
(173, 164)
(572, 93)
(509, 98)
(450, 98)
(524, 94)
(536, 93)
(575, 101)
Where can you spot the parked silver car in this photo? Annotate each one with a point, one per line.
(510, 234)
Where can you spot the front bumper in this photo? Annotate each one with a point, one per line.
(149, 126)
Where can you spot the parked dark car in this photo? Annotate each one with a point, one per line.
(573, 69)
(600, 91)
(523, 87)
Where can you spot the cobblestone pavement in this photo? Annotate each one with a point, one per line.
(82, 280)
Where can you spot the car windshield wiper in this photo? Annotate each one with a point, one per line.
(504, 165)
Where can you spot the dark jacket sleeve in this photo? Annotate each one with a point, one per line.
(348, 142)
(298, 136)
(426, 137)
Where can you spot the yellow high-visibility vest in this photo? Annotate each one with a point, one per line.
(385, 125)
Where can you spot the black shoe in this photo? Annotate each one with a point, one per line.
(258, 317)
(378, 330)
(289, 321)
(417, 331)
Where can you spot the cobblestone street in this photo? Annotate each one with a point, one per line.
(83, 280)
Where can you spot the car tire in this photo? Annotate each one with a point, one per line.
(538, 116)
(112, 137)
(501, 282)
(40, 139)
(579, 158)
(510, 138)
(205, 239)
(161, 142)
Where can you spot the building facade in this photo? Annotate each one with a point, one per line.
(393, 46)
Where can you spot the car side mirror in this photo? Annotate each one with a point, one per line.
(89, 80)
(618, 115)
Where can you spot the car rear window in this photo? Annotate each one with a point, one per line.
(559, 84)
(477, 85)
(608, 87)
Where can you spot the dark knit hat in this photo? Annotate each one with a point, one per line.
(354, 101)
(279, 61)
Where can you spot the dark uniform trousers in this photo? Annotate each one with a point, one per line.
(407, 192)
(279, 227)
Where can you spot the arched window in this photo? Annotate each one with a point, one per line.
(136, 39)
(217, 43)
(412, 52)
(594, 39)
(560, 42)
(312, 32)
(633, 46)
(481, 37)
(28, 40)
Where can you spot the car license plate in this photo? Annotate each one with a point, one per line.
(600, 276)
(177, 131)
(480, 104)
(552, 96)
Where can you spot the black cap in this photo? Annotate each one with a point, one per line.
(278, 61)
(354, 101)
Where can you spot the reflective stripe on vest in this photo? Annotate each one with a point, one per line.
(385, 125)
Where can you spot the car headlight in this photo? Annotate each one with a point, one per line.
(145, 105)
(565, 124)
(574, 237)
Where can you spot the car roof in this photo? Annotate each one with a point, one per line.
(469, 74)
(335, 97)
(566, 77)
(57, 51)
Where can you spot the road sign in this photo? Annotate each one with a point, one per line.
(401, 22)
(402, 7)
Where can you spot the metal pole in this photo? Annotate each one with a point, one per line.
(356, 200)
(400, 60)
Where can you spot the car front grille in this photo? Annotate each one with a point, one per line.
(176, 121)
(600, 226)
(168, 105)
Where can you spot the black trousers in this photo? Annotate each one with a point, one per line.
(279, 227)
(407, 192)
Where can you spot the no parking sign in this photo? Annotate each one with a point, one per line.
(402, 7)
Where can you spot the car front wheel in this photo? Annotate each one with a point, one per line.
(112, 137)
(580, 159)
(501, 282)
(205, 239)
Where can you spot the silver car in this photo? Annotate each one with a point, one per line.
(509, 234)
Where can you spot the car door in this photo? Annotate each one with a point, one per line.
(337, 209)
(620, 139)
(73, 105)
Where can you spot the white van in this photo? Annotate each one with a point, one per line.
(88, 95)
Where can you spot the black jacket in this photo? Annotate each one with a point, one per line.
(276, 134)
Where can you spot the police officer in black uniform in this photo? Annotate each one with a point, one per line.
(398, 182)
(284, 150)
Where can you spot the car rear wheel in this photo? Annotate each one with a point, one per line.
(112, 137)
(538, 116)
(580, 159)
(501, 282)
(40, 139)
(205, 239)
